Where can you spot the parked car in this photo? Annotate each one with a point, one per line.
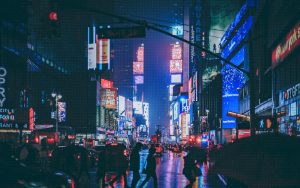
(14, 173)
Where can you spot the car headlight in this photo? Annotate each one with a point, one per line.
(32, 184)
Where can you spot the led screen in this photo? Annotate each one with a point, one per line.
(176, 78)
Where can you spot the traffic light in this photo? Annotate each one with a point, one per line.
(53, 24)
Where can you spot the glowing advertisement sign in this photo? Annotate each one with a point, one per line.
(287, 45)
(61, 111)
(176, 78)
(175, 66)
(140, 53)
(177, 30)
(91, 56)
(138, 80)
(175, 111)
(138, 67)
(176, 58)
(184, 105)
(176, 51)
(107, 84)
(104, 51)
(138, 107)
(109, 98)
(121, 105)
(184, 125)
(232, 79)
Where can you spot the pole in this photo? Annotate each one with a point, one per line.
(252, 86)
(56, 122)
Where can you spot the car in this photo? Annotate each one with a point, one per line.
(158, 149)
(14, 173)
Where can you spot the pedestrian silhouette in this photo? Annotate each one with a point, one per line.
(190, 170)
(135, 164)
(214, 48)
(101, 168)
(122, 167)
(151, 168)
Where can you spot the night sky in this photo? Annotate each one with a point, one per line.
(157, 54)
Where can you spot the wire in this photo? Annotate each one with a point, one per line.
(166, 21)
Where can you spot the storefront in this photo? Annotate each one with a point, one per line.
(289, 107)
(286, 65)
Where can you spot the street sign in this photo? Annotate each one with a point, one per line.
(121, 33)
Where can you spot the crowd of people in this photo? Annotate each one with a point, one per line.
(33, 156)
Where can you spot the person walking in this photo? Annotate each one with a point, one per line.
(123, 165)
(101, 169)
(190, 169)
(135, 163)
(150, 168)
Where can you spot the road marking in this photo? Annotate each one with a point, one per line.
(222, 179)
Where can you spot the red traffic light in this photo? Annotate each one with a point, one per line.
(53, 16)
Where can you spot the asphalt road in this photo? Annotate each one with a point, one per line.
(169, 173)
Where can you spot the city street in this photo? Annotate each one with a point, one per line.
(183, 93)
(169, 173)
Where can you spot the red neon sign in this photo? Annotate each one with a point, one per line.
(286, 46)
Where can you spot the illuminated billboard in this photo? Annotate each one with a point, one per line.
(128, 109)
(176, 58)
(104, 51)
(176, 51)
(91, 56)
(175, 66)
(138, 67)
(177, 30)
(121, 105)
(107, 84)
(61, 111)
(175, 111)
(109, 98)
(140, 53)
(138, 80)
(138, 107)
(176, 78)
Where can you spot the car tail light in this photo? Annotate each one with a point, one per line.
(73, 184)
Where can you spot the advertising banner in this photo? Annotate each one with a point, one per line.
(140, 53)
(175, 66)
(138, 107)
(287, 45)
(109, 98)
(183, 125)
(61, 111)
(104, 51)
(138, 80)
(176, 78)
(129, 109)
(121, 105)
(107, 84)
(91, 56)
(138, 67)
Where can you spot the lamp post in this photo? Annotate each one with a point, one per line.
(57, 98)
(207, 112)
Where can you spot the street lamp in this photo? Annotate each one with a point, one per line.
(207, 112)
(57, 97)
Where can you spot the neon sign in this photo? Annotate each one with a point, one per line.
(286, 46)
